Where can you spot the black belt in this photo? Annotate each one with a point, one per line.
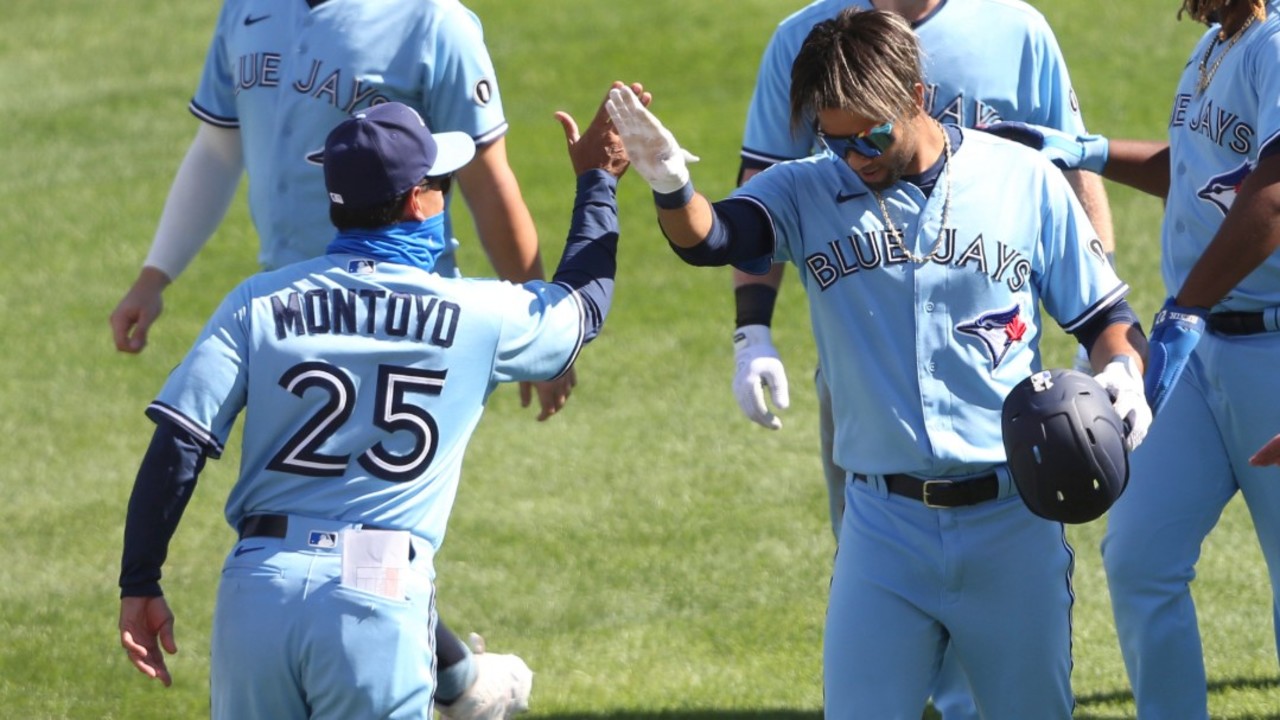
(277, 526)
(1240, 323)
(942, 493)
(274, 526)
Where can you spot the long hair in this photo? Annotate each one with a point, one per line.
(862, 61)
(1210, 11)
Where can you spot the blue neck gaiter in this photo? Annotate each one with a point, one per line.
(416, 243)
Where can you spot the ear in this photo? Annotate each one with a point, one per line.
(918, 90)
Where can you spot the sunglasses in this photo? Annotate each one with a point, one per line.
(868, 143)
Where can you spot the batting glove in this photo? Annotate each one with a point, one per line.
(653, 150)
(1174, 336)
(758, 366)
(1069, 152)
(1122, 381)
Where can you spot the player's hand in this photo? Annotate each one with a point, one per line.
(1268, 454)
(1069, 152)
(552, 394)
(138, 309)
(1122, 381)
(652, 148)
(146, 626)
(600, 147)
(758, 366)
(1174, 336)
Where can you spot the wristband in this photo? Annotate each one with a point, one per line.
(674, 200)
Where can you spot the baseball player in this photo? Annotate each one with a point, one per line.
(277, 78)
(924, 283)
(361, 375)
(976, 72)
(1219, 177)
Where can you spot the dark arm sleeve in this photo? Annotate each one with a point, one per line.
(164, 485)
(1119, 312)
(741, 235)
(590, 258)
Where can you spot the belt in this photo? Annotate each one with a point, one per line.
(277, 526)
(1245, 323)
(274, 526)
(941, 493)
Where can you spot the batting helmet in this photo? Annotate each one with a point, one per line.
(1065, 445)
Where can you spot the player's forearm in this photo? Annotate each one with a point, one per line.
(1092, 194)
(1249, 234)
(689, 224)
(1119, 339)
(1140, 164)
(198, 199)
(165, 482)
(589, 262)
(754, 296)
(502, 220)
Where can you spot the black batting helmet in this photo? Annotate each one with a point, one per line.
(1065, 445)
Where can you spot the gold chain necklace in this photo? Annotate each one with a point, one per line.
(945, 178)
(1206, 76)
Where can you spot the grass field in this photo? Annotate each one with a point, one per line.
(649, 552)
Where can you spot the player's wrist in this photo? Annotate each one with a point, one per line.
(754, 303)
(674, 199)
(1095, 150)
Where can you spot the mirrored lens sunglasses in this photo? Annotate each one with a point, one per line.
(868, 143)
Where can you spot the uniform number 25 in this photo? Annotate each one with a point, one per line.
(301, 454)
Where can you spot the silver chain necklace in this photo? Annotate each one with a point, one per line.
(897, 238)
(1206, 76)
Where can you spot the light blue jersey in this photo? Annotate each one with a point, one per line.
(286, 73)
(1223, 408)
(962, 328)
(1214, 141)
(983, 61)
(367, 381)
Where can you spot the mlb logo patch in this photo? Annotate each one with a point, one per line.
(361, 267)
(322, 539)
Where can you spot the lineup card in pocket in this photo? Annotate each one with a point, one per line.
(375, 561)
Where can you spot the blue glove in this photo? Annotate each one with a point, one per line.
(1174, 336)
(1069, 152)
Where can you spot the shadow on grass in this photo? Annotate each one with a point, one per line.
(1084, 703)
(1097, 700)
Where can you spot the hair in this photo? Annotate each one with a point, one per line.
(862, 61)
(1208, 11)
(382, 214)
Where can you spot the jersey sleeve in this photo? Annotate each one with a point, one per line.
(215, 98)
(462, 93)
(1263, 60)
(768, 137)
(1074, 278)
(206, 392)
(1056, 104)
(542, 330)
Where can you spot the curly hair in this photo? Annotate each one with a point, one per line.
(1206, 11)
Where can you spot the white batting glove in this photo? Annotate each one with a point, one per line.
(1122, 381)
(758, 366)
(653, 150)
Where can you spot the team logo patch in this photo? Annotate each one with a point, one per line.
(998, 332)
(1221, 190)
(482, 93)
(322, 539)
(361, 267)
(1075, 101)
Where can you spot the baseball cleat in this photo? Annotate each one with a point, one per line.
(500, 692)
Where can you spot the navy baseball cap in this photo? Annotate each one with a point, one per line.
(380, 153)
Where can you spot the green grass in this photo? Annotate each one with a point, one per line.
(649, 552)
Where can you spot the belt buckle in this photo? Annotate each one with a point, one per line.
(924, 493)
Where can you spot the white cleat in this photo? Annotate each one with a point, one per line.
(500, 692)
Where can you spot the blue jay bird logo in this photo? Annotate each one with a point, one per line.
(1221, 190)
(998, 331)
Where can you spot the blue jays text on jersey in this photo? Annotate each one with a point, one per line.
(862, 251)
